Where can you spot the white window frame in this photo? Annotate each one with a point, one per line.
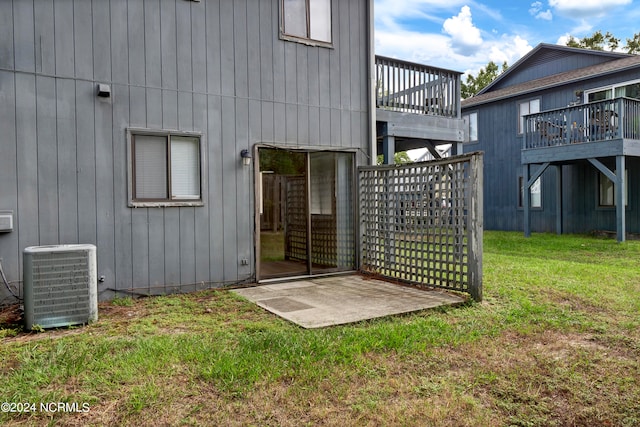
(613, 89)
(610, 188)
(535, 201)
(171, 200)
(312, 18)
(471, 121)
(529, 110)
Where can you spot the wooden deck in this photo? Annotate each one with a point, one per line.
(600, 129)
(581, 151)
(417, 106)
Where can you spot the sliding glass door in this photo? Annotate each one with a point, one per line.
(306, 213)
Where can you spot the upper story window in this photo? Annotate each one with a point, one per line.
(528, 107)
(471, 120)
(307, 21)
(600, 95)
(629, 89)
(165, 169)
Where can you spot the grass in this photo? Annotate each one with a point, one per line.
(556, 342)
(272, 246)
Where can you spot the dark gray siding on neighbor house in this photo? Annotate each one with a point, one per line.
(213, 67)
(497, 136)
(498, 139)
(580, 201)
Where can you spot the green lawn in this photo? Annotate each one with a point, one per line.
(272, 246)
(555, 342)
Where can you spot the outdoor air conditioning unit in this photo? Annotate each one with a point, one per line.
(60, 287)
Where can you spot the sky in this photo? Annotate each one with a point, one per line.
(465, 35)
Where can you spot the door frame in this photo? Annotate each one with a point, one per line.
(257, 201)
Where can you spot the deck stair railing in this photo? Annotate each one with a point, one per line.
(592, 122)
(415, 88)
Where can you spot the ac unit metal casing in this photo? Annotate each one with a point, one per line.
(60, 286)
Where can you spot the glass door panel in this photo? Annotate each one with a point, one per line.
(323, 210)
(331, 208)
(283, 213)
(345, 212)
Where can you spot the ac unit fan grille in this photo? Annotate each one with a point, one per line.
(61, 287)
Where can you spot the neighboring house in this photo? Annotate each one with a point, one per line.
(561, 125)
(127, 125)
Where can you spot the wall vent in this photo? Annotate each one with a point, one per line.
(60, 287)
(6, 221)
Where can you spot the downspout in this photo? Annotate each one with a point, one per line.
(373, 149)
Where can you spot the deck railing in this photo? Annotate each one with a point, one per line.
(596, 121)
(415, 88)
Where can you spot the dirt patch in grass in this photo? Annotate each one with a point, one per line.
(115, 316)
(10, 315)
(573, 302)
(539, 379)
(561, 345)
(547, 378)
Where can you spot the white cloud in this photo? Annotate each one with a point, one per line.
(585, 8)
(562, 40)
(581, 29)
(509, 49)
(465, 37)
(536, 7)
(387, 12)
(396, 34)
(547, 15)
(412, 46)
(537, 12)
(461, 46)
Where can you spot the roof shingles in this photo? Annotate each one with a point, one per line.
(554, 80)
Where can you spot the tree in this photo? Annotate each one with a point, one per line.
(608, 41)
(597, 41)
(485, 76)
(633, 45)
(398, 158)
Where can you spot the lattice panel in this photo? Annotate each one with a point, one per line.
(323, 240)
(296, 218)
(422, 223)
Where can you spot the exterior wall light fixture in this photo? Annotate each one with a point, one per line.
(246, 157)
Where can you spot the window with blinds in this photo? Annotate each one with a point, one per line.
(165, 168)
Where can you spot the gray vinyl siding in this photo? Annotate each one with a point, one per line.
(213, 67)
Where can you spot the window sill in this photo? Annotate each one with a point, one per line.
(173, 204)
(308, 42)
(532, 209)
(609, 208)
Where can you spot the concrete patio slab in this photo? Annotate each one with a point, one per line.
(335, 300)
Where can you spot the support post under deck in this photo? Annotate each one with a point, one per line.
(388, 147)
(621, 196)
